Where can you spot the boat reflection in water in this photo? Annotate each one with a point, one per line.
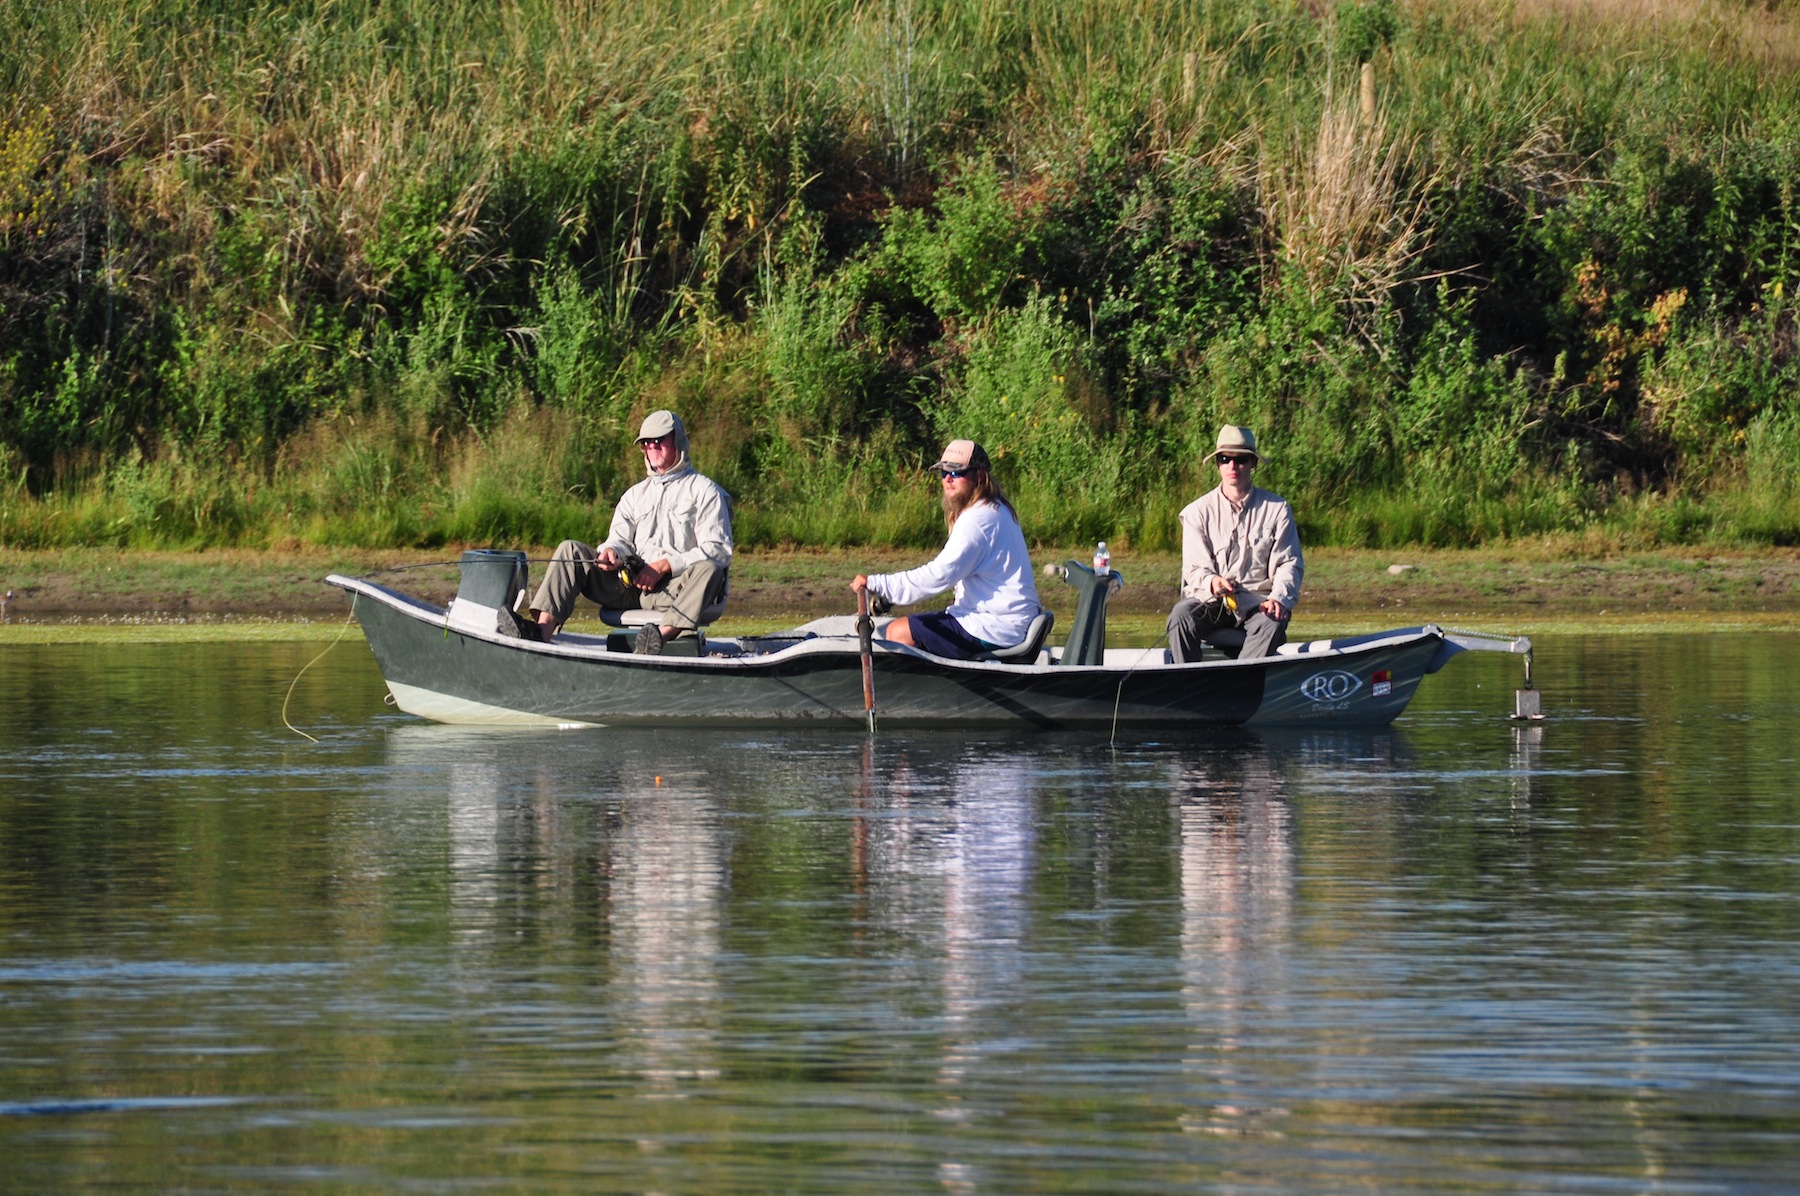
(1452, 954)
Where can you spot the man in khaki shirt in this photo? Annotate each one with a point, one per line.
(1240, 561)
(669, 549)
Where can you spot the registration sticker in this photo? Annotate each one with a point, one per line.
(1381, 683)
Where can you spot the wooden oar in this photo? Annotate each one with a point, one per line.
(865, 633)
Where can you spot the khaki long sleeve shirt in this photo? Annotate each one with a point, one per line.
(680, 515)
(1256, 544)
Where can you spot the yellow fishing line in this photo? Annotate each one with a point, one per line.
(348, 620)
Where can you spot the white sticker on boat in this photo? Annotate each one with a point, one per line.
(1332, 686)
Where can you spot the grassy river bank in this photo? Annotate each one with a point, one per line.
(389, 272)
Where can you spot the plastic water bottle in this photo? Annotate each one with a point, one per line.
(1102, 560)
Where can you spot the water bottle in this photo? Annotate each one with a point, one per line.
(1102, 560)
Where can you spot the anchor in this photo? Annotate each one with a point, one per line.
(1527, 702)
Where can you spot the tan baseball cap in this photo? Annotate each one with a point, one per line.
(962, 454)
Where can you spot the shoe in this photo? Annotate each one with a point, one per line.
(649, 640)
(517, 626)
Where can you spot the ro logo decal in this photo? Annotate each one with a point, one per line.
(1334, 686)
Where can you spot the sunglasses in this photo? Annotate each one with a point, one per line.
(650, 440)
(1234, 459)
(950, 475)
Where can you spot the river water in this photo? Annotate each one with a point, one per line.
(1454, 955)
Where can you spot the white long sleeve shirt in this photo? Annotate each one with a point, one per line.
(680, 515)
(986, 560)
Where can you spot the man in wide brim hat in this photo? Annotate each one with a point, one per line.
(1240, 561)
(1235, 439)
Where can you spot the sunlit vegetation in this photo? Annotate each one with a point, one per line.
(348, 272)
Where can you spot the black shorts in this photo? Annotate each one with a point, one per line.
(941, 635)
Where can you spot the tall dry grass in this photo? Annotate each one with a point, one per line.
(494, 231)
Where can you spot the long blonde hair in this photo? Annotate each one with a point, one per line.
(982, 488)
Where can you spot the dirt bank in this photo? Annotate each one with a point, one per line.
(1401, 586)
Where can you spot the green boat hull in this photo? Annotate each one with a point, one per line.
(451, 669)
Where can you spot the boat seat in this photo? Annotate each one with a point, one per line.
(1026, 650)
(639, 617)
(1228, 640)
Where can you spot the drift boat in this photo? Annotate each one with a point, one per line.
(465, 664)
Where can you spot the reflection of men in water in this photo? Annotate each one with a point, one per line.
(665, 909)
(1240, 561)
(1236, 831)
(951, 857)
(669, 548)
(1238, 881)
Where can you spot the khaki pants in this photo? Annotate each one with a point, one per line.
(678, 601)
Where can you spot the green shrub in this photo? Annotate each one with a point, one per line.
(1714, 381)
(317, 271)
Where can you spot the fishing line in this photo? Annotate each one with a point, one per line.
(342, 631)
(1119, 694)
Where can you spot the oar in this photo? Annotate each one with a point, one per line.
(865, 633)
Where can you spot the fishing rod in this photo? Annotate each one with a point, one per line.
(530, 560)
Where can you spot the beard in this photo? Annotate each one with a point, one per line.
(956, 504)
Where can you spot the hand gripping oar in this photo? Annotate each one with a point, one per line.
(865, 634)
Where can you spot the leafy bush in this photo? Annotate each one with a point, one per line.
(393, 273)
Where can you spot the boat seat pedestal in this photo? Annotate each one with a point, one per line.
(638, 617)
(687, 645)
